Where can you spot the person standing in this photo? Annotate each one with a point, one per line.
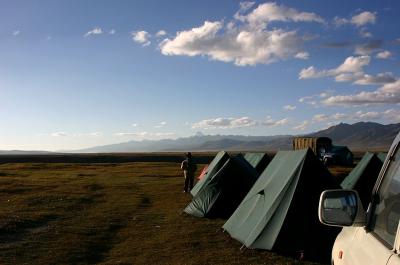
(189, 169)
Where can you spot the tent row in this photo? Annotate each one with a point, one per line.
(275, 206)
(280, 211)
(225, 183)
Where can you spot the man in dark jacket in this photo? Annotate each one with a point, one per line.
(189, 169)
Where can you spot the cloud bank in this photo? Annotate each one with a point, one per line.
(386, 94)
(361, 19)
(231, 123)
(247, 39)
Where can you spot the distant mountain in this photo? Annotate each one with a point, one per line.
(361, 135)
(357, 136)
(199, 142)
(21, 152)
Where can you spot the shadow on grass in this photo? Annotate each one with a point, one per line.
(15, 230)
(96, 250)
(15, 190)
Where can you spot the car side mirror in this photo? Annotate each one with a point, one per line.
(341, 208)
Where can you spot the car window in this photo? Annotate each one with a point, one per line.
(387, 212)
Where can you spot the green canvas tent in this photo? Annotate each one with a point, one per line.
(280, 212)
(363, 177)
(382, 156)
(258, 160)
(215, 165)
(224, 191)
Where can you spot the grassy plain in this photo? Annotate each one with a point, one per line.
(110, 213)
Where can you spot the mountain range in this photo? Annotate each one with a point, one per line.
(357, 136)
(24, 152)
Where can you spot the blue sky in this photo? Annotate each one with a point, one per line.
(76, 74)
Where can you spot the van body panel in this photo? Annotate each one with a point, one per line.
(394, 260)
(361, 245)
(359, 248)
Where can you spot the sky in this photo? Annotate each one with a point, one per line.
(77, 74)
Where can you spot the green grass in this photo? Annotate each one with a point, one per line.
(128, 213)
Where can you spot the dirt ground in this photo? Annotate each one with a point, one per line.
(111, 213)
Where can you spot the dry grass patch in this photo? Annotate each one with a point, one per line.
(128, 213)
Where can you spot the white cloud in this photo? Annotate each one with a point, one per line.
(393, 88)
(346, 77)
(112, 32)
(268, 12)
(359, 20)
(16, 32)
(302, 55)
(135, 125)
(59, 134)
(388, 93)
(390, 115)
(238, 123)
(370, 115)
(381, 78)
(289, 107)
(230, 123)
(126, 134)
(350, 65)
(245, 40)
(338, 116)
(241, 47)
(192, 42)
(225, 123)
(142, 37)
(363, 98)
(314, 100)
(93, 134)
(161, 33)
(363, 18)
(344, 72)
(302, 126)
(270, 122)
(384, 55)
(64, 134)
(320, 118)
(366, 79)
(161, 124)
(384, 116)
(311, 72)
(147, 135)
(95, 31)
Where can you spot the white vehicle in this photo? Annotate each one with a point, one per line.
(372, 236)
